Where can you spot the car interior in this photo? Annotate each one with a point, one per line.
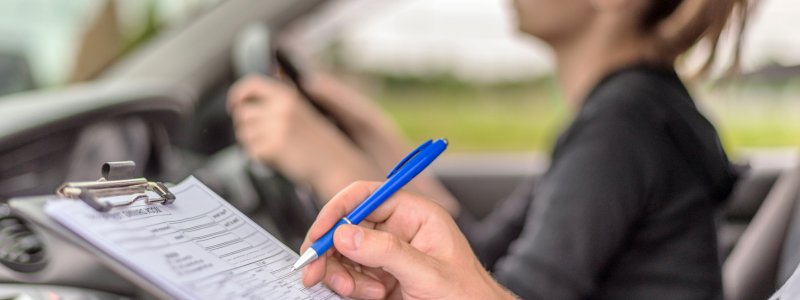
(164, 108)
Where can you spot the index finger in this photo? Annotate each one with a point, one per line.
(350, 197)
(344, 202)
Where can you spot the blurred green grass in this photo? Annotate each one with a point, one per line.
(755, 114)
(528, 116)
(767, 133)
(507, 117)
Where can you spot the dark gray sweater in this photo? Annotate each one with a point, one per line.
(626, 210)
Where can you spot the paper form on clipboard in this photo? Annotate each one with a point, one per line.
(199, 247)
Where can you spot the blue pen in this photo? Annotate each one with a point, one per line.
(407, 169)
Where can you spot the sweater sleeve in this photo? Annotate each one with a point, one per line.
(585, 206)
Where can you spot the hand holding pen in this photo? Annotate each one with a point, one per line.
(407, 169)
(407, 247)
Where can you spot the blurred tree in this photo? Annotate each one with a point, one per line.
(101, 45)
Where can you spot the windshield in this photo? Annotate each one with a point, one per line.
(461, 69)
(47, 43)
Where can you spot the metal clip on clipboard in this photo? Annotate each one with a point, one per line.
(117, 180)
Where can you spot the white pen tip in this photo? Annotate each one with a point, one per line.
(307, 257)
(293, 269)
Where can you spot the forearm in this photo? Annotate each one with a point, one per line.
(340, 170)
(374, 132)
(329, 183)
(386, 146)
(380, 139)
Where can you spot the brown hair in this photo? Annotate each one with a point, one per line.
(681, 24)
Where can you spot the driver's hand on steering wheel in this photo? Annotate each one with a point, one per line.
(275, 125)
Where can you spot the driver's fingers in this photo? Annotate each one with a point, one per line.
(243, 89)
(260, 147)
(251, 116)
(246, 115)
(254, 87)
(256, 131)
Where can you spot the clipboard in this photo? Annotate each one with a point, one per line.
(209, 249)
(117, 180)
(32, 210)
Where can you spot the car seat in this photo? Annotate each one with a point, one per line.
(750, 270)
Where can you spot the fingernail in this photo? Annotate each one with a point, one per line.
(350, 236)
(338, 284)
(373, 292)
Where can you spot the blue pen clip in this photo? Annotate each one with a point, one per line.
(409, 157)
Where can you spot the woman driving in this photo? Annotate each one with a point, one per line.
(626, 210)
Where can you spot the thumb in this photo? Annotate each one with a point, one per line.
(380, 249)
